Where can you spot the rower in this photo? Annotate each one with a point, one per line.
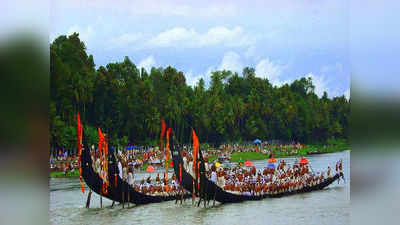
(213, 174)
(158, 179)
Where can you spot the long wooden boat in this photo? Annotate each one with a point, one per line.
(120, 191)
(213, 191)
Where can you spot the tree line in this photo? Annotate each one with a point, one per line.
(128, 103)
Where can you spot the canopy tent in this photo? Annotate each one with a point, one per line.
(150, 169)
(271, 160)
(257, 141)
(249, 163)
(303, 161)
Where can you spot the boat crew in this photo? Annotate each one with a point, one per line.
(124, 171)
(158, 182)
(130, 176)
(185, 162)
(120, 167)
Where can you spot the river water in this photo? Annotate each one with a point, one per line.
(328, 206)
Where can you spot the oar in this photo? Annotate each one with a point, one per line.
(215, 193)
(182, 193)
(88, 199)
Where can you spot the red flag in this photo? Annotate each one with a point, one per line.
(195, 148)
(163, 127)
(82, 185)
(167, 152)
(79, 134)
(79, 146)
(101, 139)
(105, 146)
(180, 173)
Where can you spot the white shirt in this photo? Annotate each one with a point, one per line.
(120, 169)
(213, 176)
(130, 178)
(185, 163)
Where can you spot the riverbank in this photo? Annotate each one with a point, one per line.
(61, 174)
(336, 146)
(278, 152)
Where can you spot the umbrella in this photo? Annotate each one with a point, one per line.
(150, 169)
(303, 161)
(271, 165)
(271, 160)
(257, 141)
(217, 164)
(248, 163)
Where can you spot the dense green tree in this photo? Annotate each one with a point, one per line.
(128, 103)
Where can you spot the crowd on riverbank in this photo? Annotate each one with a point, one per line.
(140, 158)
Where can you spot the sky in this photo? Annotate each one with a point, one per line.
(283, 40)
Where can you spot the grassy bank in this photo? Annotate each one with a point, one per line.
(61, 174)
(329, 147)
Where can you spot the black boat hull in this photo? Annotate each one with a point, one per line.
(213, 191)
(122, 191)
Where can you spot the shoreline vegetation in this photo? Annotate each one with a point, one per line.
(61, 174)
(128, 103)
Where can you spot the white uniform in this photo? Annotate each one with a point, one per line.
(130, 178)
(213, 176)
(120, 170)
(185, 163)
(190, 169)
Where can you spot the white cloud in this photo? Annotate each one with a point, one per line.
(347, 94)
(231, 61)
(184, 37)
(84, 33)
(170, 37)
(192, 79)
(223, 35)
(147, 63)
(321, 85)
(270, 70)
(126, 39)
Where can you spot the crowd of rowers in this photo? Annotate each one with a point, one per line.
(158, 187)
(238, 180)
(161, 187)
(248, 181)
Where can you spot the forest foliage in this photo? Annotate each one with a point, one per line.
(128, 102)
